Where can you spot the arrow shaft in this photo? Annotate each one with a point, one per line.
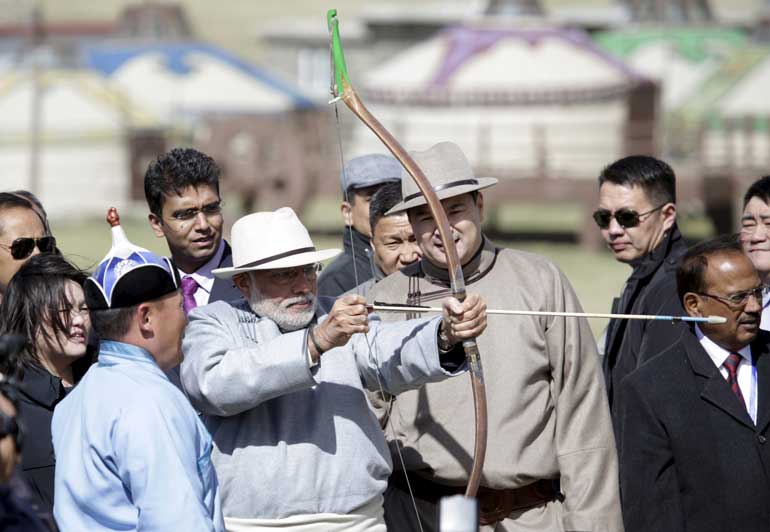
(691, 319)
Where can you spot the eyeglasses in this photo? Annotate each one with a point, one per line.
(288, 276)
(209, 211)
(626, 218)
(739, 299)
(21, 248)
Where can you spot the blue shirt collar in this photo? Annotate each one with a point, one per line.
(112, 352)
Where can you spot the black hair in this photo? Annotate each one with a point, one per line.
(386, 197)
(36, 296)
(112, 324)
(37, 206)
(692, 268)
(176, 170)
(758, 189)
(654, 176)
(22, 199)
(351, 193)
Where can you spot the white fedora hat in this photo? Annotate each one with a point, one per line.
(270, 240)
(447, 170)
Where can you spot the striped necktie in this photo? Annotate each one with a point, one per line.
(731, 365)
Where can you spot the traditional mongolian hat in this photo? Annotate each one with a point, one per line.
(448, 171)
(128, 275)
(271, 240)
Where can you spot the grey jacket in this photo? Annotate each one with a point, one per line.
(289, 439)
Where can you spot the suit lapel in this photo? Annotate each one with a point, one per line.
(224, 289)
(715, 389)
(760, 350)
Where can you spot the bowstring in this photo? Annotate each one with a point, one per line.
(372, 354)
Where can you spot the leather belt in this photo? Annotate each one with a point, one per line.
(494, 505)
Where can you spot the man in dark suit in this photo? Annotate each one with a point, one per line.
(637, 218)
(693, 428)
(182, 192)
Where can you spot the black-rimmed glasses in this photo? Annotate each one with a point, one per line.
(22, 247)
(626, 218)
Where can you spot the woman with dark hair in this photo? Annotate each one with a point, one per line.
(44, 303)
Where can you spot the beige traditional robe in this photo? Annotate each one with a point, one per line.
(548, 413)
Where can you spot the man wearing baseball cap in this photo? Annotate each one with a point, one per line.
(551, 462)
(131, 453)
(282, 387)
(360, 178)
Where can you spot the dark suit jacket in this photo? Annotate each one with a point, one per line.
(651, 289)
(691, 459)
(224, 289)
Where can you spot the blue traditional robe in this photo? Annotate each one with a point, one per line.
(131, 451)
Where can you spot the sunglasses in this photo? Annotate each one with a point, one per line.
(626, 218)
(21, 248)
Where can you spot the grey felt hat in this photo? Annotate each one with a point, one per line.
(448, 171)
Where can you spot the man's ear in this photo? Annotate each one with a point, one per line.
(243, 282)
(156, 224)
(145, 318)
(347, 212)
(669, 215)
(692, 305)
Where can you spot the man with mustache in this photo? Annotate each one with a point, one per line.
(551, 462)
(693, 427)
(755, 236)
(637, 219)
(282, 386)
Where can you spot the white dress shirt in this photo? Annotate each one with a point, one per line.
(204, 277)
(747, 372)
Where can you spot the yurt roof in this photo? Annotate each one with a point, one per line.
(681, 59)
(75, 102)
(748, 94)
(476, 65)
(737, 88)
(192, 77)
(692, 44)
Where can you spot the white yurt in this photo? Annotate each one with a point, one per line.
(82, 157)
(174, 79)
(520, 102)
(734, 112)
(680, 59)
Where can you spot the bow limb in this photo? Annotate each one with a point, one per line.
(344, 90)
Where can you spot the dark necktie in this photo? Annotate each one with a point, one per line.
(189, 287)
(731, 365)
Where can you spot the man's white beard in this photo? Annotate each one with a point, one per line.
(287, 320)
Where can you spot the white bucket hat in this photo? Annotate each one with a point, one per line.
(270, 240)
(448, 171)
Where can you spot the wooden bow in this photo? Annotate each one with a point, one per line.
(343, 90)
